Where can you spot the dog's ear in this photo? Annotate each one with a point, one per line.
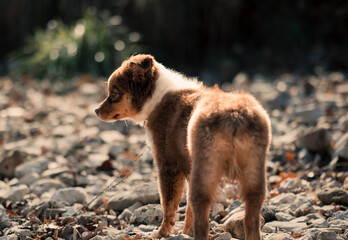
(144, 61)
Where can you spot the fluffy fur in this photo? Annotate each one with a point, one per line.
(200, 135)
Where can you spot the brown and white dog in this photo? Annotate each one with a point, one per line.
(199, 135)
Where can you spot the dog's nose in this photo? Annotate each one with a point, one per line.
(96, 111)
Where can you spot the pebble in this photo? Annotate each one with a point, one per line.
(315, 140)
(235, 226)
(145, 193)
(149, 214)
(34, 166)
(278, 236)
(45, 185)
(335, 195)
(70, 195)
(15, 193)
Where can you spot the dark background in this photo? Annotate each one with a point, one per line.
(271, 36)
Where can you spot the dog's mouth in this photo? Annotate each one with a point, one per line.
(116, 116)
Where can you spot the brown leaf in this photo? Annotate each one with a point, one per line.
(104, 202)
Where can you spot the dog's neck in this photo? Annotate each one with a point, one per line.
(167, 81)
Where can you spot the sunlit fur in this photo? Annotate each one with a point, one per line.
(199, 135)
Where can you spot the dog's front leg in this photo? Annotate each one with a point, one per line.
(172, 184)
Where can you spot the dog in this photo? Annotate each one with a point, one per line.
(199, 135)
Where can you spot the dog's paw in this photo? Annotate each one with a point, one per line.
(188, 231)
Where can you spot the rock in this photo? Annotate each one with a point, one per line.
(308, 114)
(338, 220)
(44, 185)
(294, 184)
(278, 236)
(335, 195)
(40, 209)
(29, 178)
(224, 236)
(10, 237)
(112, 137)
(341, 147)
(180, 237)
(54, 172)
(125, 215)
(281, 216)
(10, 161)
(296, 227)
(115, 150)
(30, 167)
(318, 223)
(235, 226)
(70, 195)
(284, 198)
(145, 193)
(4, 219)
(268, 214)
(328, 235)
(15, 193)
(21, 232)
(63, 130)
(149, 214)
(216, 209)
(315, 139)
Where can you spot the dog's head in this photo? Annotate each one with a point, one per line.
(128, 88)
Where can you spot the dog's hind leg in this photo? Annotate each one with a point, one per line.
(206, 174)
(253, 188)
(172, 184)
(188, 228)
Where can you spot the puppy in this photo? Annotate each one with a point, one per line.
(199, 135)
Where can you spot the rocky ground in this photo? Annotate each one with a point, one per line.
(56, 157)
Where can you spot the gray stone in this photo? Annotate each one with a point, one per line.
(30, 167)
(315, 140)
(291, 184)
(112, 137)
(125, 215)
(70, 195)
(308, 114)
(341, 147)
(54, 172)
(180, 237)
(335, 195)
(149, 214)
(21, 232)
(278, 236)
(216, 209)
(29, 178)
(15, 193)
(327, 235)
(145, 193)
(297, 227)
(4, 219)
(268, 213)
(318, 223)
(115, 150)
(44, 185)
(10, 237)
(281, 216)
(224, 236)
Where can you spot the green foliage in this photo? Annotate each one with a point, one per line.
(95, 44)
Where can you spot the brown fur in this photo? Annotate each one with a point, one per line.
(199, 135)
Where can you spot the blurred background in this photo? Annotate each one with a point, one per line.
(212, 39)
